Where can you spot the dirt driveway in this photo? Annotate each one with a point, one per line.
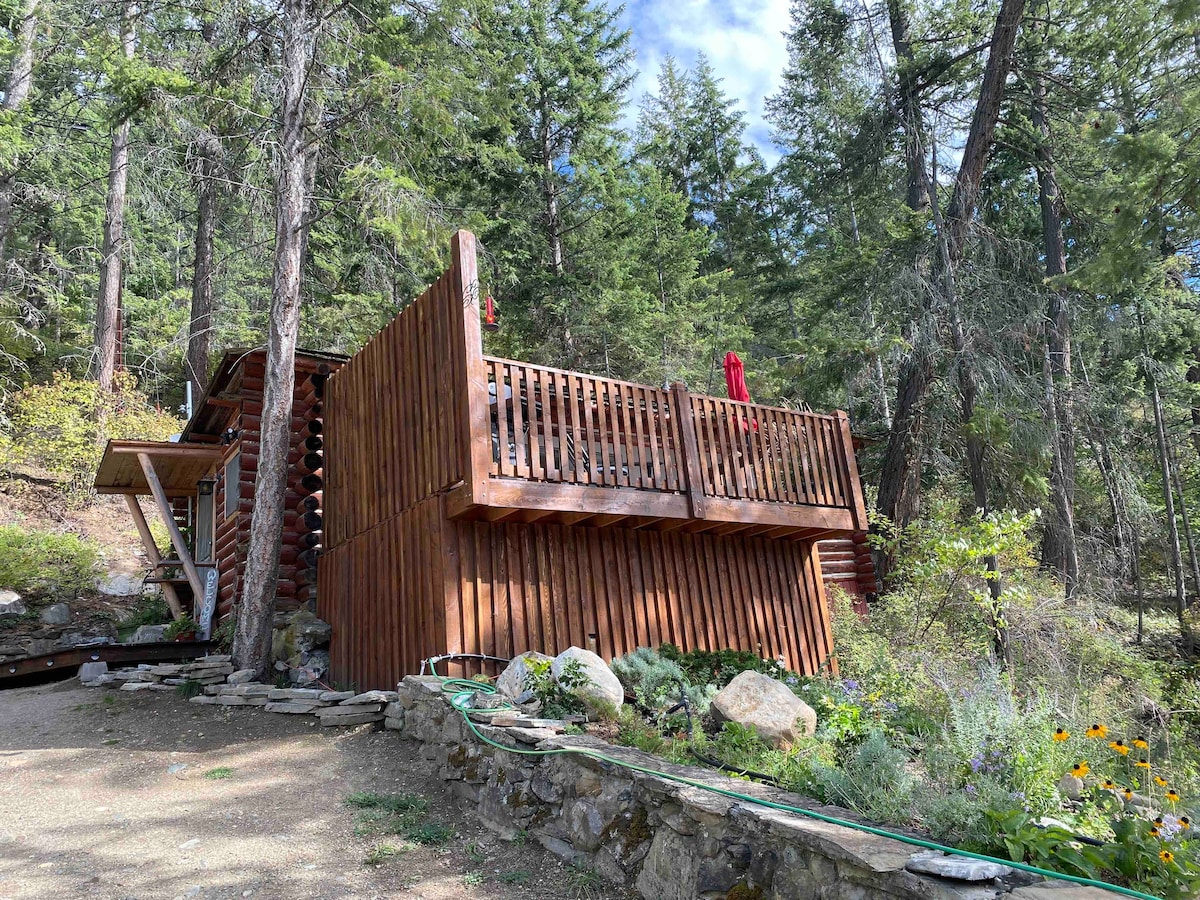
(140, 796)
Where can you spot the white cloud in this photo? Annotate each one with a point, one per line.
(744, 42)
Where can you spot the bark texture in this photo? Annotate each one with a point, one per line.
(16, 92)
(108, 300)
(252, 639)
(200, 321)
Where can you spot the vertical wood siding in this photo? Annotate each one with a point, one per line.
(420, 585)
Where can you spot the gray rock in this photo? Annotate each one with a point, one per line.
(754, 699)
(1070, 786)
(39, 646)
(11, 605)
(371, 697)
(119, 584)
(139, 686)
(295, 707)
(148, 634)
(82, 639)
(91, 671)
(309, 632)
(58, 614)
(603, 693)
(333, 712)
(934, 862)
(241, 676)
(511, 682)
(308, 694)
(336, 696)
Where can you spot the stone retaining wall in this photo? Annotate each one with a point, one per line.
(671, 841)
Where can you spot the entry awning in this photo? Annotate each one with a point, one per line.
(179, 466)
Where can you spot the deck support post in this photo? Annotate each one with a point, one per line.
(682, 407)
(139, 519)
(177, 541)
(849, 462)
(476, 444)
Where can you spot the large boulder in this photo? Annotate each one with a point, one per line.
(779, 716)
(11, 605)
(600, 690)
(309, 632)
(120, 584)
(148, 634)
(58, 614)
(511, 682)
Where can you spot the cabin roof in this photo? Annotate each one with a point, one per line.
(178, 466)
(211, 410)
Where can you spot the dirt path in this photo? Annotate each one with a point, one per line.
(106, 795)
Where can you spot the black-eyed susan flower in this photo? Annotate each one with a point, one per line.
(1127, 794)
(1080, 769)
(1140, 743)
(1172, 796)
(1160, 781)
(1143, 763)
(1097, 731)
(1119, 747)
(1166, 856)
(1185, 823)
(1061, 734)
(1154, 831)
(1109, 785)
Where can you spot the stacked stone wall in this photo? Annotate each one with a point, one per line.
(667, 840)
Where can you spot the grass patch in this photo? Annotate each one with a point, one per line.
(381, 853)
(475, 854)
(110, 700)
(219, 773)
(583, 881)
(189, 689)
(519, 876)
(402, 814)
(473, 879)
(108, 742)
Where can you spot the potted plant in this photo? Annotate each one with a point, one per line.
(182, 629)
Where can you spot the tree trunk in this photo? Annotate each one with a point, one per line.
(16, 91)
(1164, 464)
(1059, 546)
(252, 640)
(1187, 525)
(107, 332)
(200, 322)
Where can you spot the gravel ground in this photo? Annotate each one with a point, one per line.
(106, 794)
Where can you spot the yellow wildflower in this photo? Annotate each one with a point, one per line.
(1119, 747)
(1154, 831)
(1127, 794)
(1080, 769)
(1172, 796)
(1097, 731)
(1140, 743)
(1166, 856)
(1143, 763)
(1109, 785)
(1160, 781)
(1061, 735)
(1185, 823)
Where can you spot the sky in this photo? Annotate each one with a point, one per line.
(743, 40)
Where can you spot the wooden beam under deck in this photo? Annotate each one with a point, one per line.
(519, 500)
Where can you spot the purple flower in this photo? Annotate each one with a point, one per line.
(969, 790)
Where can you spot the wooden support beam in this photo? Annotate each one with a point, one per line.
(139, 519)
(692, 481)
(476, 416)
(177, 541)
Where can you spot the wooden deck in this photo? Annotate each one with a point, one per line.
(572, 448)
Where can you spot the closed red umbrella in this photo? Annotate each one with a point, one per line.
(735, 378)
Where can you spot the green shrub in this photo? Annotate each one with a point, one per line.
(556, 694)
(873, 779)
(657, 682)
(56, 427)
(44, 567)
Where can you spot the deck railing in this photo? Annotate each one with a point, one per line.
(563, 427)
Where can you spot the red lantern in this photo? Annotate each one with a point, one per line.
(489, 314)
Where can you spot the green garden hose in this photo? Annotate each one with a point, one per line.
(461, 690)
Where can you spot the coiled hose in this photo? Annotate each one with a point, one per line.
(461, 691)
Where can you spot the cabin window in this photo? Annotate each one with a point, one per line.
(233, 478)
(205, 520)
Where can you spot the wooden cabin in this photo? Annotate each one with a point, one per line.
(203, 487)
(488, 506)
